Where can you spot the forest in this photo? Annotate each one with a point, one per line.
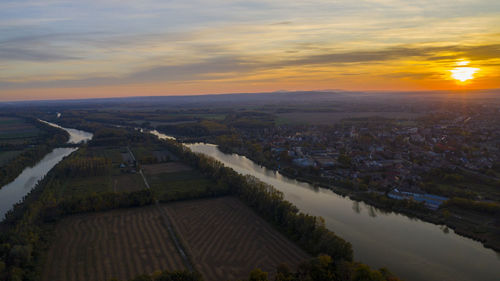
(321, 268)
(48, 138)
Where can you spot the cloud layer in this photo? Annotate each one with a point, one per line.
(187, 47)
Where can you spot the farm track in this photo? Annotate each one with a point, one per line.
(116, 244)
(227, 239)
(168, 223)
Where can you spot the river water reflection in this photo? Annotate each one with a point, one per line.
(14, 192)
(75, 136)
(413, 249)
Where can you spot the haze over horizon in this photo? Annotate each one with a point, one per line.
(51, 49)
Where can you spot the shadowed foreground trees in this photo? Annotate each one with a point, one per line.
(177, 275)
(321, 268)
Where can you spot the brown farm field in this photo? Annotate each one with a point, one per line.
(116, 244)
(227, 240)
(224, 238)
(169, 167)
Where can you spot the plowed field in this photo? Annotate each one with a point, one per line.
(227, 240)
(116, 244)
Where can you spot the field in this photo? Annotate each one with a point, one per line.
(227, 240)
(170, 179)
(127, 183)
(116, 244)
(169, 167)
(6, 156)
(330, 118)
(113, 180)
(16, 128)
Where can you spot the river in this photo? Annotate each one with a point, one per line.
(413, 249)
(15, 191)
(75, 136)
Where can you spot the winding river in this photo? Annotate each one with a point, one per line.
(15, 191)
(413, 249)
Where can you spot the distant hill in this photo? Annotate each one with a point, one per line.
(259, 99)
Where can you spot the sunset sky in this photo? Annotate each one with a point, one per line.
(106, 48)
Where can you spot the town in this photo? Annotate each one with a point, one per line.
(428, 159)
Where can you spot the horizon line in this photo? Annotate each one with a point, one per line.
(326, 91)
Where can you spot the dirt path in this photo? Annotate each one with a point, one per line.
(168, 224)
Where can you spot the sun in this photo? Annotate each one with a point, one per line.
(463, 73)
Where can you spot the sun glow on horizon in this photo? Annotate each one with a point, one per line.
(462, 73)
(52, 50)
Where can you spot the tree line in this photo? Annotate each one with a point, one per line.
(307, 231)
(50, 138)
(23, 233)
(195, 129)
(23, 237)
(85, 166)
(490, 208)
(321, 268)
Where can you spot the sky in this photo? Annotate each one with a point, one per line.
(51, 49)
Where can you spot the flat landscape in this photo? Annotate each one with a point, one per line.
(116, 244)
(170, 179)
(14, 131)
(169, 167)
(16, 128)
(330, 118)
(227, 239)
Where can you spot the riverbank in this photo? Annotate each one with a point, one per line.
(30, 226)
(23, 184)
(415, 249)
(465, 224)
(49, 138)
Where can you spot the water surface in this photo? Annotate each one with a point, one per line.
(75, 136)
(15, 191)
(413, 249)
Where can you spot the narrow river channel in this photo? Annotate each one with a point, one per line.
(413, 249)
(15, 191)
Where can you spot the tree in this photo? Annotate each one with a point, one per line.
(283, 273)
(142, 278)
(20, 254)
(362, 272)
(258, 275)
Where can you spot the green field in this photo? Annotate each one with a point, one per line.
(170, 185)
(12, 128)
(6, 156)
(111, 179)
(168, 180)
(80, 187)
